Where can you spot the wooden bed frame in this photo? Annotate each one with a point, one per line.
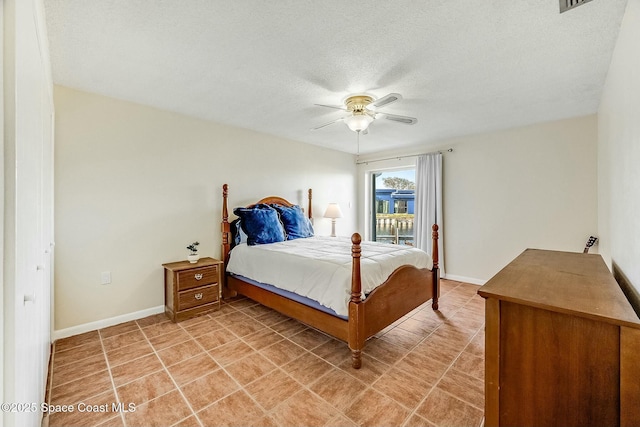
(396, 297)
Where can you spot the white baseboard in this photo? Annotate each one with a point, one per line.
(465, 279)
(99, 324)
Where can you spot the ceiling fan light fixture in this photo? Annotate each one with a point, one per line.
(358, 122)
(362, 111)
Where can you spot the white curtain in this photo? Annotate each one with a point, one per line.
(428, 203)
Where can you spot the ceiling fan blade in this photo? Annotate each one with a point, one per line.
(327, 124)
(337, 107)
(385, 100)
(399, 119)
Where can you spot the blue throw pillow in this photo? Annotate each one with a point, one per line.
(295, 223)
(261, 224)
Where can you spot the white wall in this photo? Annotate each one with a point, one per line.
(503, 192)
(136, 185)
(619, 152)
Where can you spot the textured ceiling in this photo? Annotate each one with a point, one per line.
(463, 67)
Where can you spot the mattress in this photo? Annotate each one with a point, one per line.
(319, 268)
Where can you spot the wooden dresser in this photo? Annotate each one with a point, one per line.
(191, 289)
(562, 344)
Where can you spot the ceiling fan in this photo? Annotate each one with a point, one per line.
(362, 111)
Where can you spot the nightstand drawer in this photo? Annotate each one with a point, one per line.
(197, 277)
(199, 296)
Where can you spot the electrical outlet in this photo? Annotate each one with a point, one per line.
(105, 278)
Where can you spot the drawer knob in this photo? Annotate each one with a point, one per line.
(198, 276)
(198, 296)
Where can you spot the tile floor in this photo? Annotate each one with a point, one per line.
(247, 365)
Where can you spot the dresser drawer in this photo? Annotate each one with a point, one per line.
(199, 296)
(197, 277)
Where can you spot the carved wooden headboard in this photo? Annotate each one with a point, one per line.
(226, 226)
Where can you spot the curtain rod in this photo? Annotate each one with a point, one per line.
(366, 162)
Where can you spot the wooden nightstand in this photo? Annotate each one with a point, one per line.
(192, 289)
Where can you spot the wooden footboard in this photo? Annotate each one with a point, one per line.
(389, 302)
(406, 288)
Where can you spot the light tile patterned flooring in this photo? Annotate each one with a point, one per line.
(247, 365)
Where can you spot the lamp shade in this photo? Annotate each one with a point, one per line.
(358, 122)
(333, 211)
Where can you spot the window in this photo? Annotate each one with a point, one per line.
(382, 206)
(393, 194)
(400, 206)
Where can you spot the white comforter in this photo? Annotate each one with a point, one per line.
(319, 268)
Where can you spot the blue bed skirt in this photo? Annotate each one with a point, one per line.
(291, 295)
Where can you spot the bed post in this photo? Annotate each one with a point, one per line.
(310, 207)
(356, 313)
(436, 269)
(225, 227)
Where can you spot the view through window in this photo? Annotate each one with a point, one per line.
(393, 198)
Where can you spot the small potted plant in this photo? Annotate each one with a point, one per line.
(193, 255)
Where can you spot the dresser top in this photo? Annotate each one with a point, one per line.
(565, 282)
